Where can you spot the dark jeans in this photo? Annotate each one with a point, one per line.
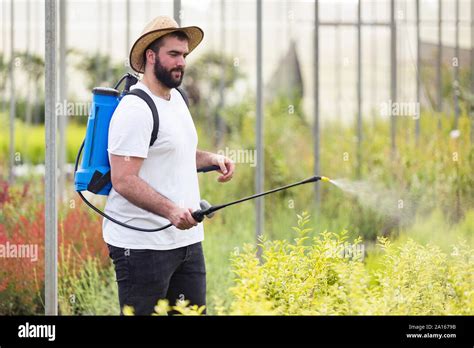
(146, 276)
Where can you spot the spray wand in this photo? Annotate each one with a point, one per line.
(209, 210)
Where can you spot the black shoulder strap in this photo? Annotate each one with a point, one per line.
(184, 95)
(151, 104)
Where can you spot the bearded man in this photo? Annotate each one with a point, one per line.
(157, 184)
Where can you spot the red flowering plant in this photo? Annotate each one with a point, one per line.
(22, 238)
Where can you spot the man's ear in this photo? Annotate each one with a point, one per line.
(150, 56)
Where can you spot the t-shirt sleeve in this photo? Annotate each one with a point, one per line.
(130, 128)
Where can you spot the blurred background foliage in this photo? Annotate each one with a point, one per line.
(434, 174)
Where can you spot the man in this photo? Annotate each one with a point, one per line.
(157, 184)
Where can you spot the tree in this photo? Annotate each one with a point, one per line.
(204, 78)
(99, 69)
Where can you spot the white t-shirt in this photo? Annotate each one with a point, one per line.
(169, 167)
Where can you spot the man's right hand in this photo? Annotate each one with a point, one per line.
(181, 218)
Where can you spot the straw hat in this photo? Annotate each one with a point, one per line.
(155, 29)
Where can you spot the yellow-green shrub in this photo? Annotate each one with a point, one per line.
(301, 278)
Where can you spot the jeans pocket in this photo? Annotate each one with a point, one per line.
(142, 266)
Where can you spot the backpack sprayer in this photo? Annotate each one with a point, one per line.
(94, 174)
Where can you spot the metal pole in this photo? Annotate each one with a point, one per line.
(12, 94)
(28, 53)
(401, 18)
(337, 64)
(127, 27)
(317, 192)
(37, 38)
(220, 126)
(374, 64)
(4, 50)
(62, 95)
(359, 91)
(456, 68)
(289, 17)
(393, 73)
(418, 68)
(177, 11)
(284, 23)
(290, 20)
(259, 180)
(471, 109)
(439, 76)
(51, 218)
(108, 41)
(97, 73)
(236, 30)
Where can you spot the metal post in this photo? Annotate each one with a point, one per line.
(284, 23)
(439, 76)
(418, 68)
(374, 64)
(220, 126)
(259, 180)
(127, 28)
(62, 95)
(401, 15)
(51, 218)
(12, 94)
(359, 91)
(471, 109)
(108, 41)
(337, 64)
(177, 11)
(456, 68)
(289, 20)
(36, 47)
(317, 169)
(393, 73)
(97, 75)
(236, 30)
(4, 50)
(289, 17)
(28, 53)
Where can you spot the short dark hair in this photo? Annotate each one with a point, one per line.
(155, 45)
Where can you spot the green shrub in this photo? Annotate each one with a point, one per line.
(163, 308)
(88, 289)
(322, 276)
(30, 140)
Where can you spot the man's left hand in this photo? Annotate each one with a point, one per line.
(226, 165)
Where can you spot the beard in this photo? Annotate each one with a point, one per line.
(166, 76)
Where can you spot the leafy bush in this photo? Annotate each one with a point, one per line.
(83, 260)
(29, 142)
(86, 288)
(323, 278)
(163, 308)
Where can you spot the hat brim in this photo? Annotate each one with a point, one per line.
(195, 35)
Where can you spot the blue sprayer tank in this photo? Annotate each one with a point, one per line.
(95, 160)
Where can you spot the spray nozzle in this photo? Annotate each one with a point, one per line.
(324, 178)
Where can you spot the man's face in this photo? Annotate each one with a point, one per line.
(170, 61)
